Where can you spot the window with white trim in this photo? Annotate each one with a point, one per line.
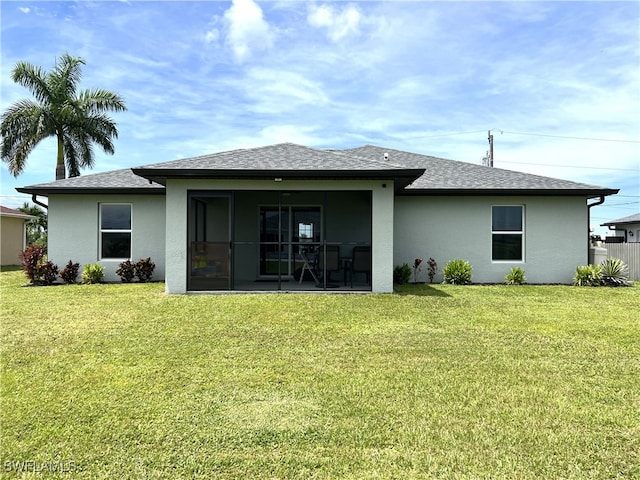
(507, 233)
(115, 231)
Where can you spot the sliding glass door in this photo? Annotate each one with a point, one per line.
(286, 234)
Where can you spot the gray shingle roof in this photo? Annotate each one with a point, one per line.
(283, 156)
(284, 160)
(451, 175)
(117, 180)
(420, 174)
(635, 218)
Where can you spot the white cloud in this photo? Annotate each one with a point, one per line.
(247, 31)
(212, 36)
(276, 91)
(339, 24)
(24, 9)
(287, 133)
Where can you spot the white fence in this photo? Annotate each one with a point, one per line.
(629, 253)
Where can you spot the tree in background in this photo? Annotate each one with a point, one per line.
(76, 119)
(37, 227)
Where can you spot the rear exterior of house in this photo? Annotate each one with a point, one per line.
(107, 228)
(288, 217)
(545, 236)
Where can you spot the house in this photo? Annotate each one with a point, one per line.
(13, 235)
(289, 217)
(626, 229)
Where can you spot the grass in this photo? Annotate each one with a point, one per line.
(123, 381)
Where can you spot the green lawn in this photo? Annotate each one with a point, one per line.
(123, 381)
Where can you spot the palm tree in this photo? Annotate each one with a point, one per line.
(36, 227)
(76, 119)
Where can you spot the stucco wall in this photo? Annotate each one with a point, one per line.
(74, 230)
(444, 228)
(176, 227)
(12, 240)
(449, 227)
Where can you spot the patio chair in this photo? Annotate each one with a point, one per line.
(332, 262)
(361, 262)
(308, 263)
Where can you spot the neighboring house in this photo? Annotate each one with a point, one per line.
(626, 229)
(13, 235)
(258, 219)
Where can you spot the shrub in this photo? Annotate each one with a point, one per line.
(31, 259)
(615, 273)
(69, 273)
(401, 274)
(457, 272)
(144, 269)
(588, 276)
(433, 268)
(126, 271)
(93, 273)
(48, 272)
(515, 276)
(416, 269)
(37, 270)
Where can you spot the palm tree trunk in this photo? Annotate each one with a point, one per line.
(61, 174)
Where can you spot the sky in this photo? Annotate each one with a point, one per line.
(556, 83)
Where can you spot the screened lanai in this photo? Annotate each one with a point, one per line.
(279, 240)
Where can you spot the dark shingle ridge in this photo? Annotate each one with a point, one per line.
(282, 156)
(443, 174)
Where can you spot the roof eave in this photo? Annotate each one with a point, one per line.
(589, 193)
(611, 224)
(402, 177)
(46, 191)
(21, 217)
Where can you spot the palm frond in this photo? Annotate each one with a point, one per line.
(32, 78)
(22, 128)
(18, 115)
(99, 100)
(78, 151)
(70, 156)
(65, 76)
(99, 129)
(16, 153)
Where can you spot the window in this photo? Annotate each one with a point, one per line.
(115, 231)
(305, 232)
(507, 233)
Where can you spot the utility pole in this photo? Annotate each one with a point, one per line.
(490, 148)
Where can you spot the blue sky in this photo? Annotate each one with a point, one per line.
(558, 83)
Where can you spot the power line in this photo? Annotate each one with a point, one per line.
(618, 140)
(446, 134)
(575, 166)
(15, 196)
(635, 208)
(569, 137)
